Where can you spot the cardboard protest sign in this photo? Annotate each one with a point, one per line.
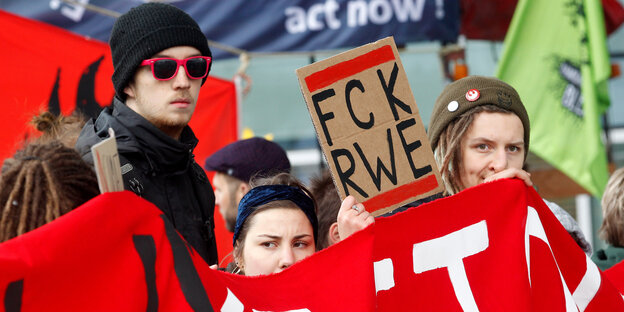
(369, 128)
(106, 163)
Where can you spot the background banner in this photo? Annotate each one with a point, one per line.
(274, 25)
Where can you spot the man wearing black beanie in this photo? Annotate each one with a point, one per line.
(161, 59)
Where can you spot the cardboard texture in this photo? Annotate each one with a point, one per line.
(369, 128)
(106, 163)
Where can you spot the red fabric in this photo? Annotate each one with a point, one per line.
(614, 14)
(87, 260)
(486, 20)
(489, 20)
(616, 275)
(36, 52)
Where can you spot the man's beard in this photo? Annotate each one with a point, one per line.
(164, 122)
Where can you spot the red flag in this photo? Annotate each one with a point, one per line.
(471, 251)
(489, 20)
(46, 64)
(118, 252)
(49, 68)
(616, 275)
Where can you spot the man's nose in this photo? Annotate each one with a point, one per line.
(181, 80)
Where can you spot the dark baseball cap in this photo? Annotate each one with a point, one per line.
(245, 158)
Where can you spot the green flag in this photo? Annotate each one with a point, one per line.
(555, 55)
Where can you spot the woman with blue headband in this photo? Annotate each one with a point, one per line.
(276, 225)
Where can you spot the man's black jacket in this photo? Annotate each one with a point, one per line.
(160, 169)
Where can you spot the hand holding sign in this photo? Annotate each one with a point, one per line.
(352, 217)
(369, 128)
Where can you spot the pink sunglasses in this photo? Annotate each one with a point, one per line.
(165, 68)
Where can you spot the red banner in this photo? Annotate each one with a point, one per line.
(49, 68)
(489, 20)
(616, 275)
(506, 253)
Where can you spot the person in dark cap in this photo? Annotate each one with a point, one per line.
(235, 165)
(161, 59)
(479, 131)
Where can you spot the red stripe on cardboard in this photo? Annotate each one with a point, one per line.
(334, 73)
(401, 193)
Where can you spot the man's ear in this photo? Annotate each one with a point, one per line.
(243, 188)
(129, 90)
(334, 236)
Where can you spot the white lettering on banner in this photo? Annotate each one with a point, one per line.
(313, 14)
(379, 11)
(449, 251)
(295, 20)
(73, 12)
(384, 274)
(359, 13)
(298, 20)
(586, 289)
(232, 304)
(440, 9)
(413, 8)
(331, 7)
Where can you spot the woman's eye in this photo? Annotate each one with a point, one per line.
(268, 244)
(482, 147)
(514, 148)
(300, 244)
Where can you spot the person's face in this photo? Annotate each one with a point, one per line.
(277, 238)
(492, 143)
(227, 198)
(166, 104)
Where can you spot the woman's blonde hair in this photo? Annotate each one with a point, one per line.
(612, 228)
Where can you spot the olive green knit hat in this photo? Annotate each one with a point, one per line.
(462, 95)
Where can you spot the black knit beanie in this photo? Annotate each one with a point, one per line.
(146, 30)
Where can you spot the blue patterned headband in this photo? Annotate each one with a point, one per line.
(264, 194)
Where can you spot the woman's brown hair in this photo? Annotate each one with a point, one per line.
(41, 183)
